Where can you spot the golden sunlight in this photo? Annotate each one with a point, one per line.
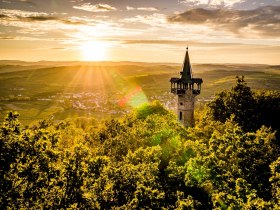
(93, 51)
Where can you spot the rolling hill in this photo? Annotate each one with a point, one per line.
(102, 89)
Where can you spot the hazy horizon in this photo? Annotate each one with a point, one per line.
(131, 61)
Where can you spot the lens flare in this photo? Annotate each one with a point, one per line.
(135, 98)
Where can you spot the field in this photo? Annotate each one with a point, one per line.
(107, 89)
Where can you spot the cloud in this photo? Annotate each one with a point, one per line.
(39, 18)
(3, 16)
(30, 3)
(43, 26)
(95, 8)
(14, 12)
(129, 8)
(7, 37)
(147, 9)
(211, 3)
(263, 21)
(57, 48)
(27, 16)
(156, 41)
(21, 14)
(72, 22)
(155, 19)
(178, 42)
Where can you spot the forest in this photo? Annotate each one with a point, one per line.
(145, 159)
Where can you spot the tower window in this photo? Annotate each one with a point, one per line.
(181, 104)
(181, 116)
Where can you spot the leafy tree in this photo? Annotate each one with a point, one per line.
(275, 180)
(239, 102)
(10, 146)
(267, 107)
(251, 109)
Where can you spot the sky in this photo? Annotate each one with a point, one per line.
(216, 31)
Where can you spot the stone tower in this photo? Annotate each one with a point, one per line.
(186, 88)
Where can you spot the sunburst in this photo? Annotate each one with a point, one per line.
(93, 51)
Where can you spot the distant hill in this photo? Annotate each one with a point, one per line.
(70, 63)
(102, 89)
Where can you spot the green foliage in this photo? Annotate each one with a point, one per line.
(238, 102)
(146, 110)
(267, 107)
(250, 109)
(275, 181)
(144, 160)
(10, 146)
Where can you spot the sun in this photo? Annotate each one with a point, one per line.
(93, 51)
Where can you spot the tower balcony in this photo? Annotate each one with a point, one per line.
(179, 91)
(180, 86)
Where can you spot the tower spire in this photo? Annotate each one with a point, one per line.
(186, 74)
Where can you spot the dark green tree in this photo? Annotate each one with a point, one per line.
(239, 102)
(10, 148)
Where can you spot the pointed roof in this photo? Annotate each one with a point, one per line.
(187, 69)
